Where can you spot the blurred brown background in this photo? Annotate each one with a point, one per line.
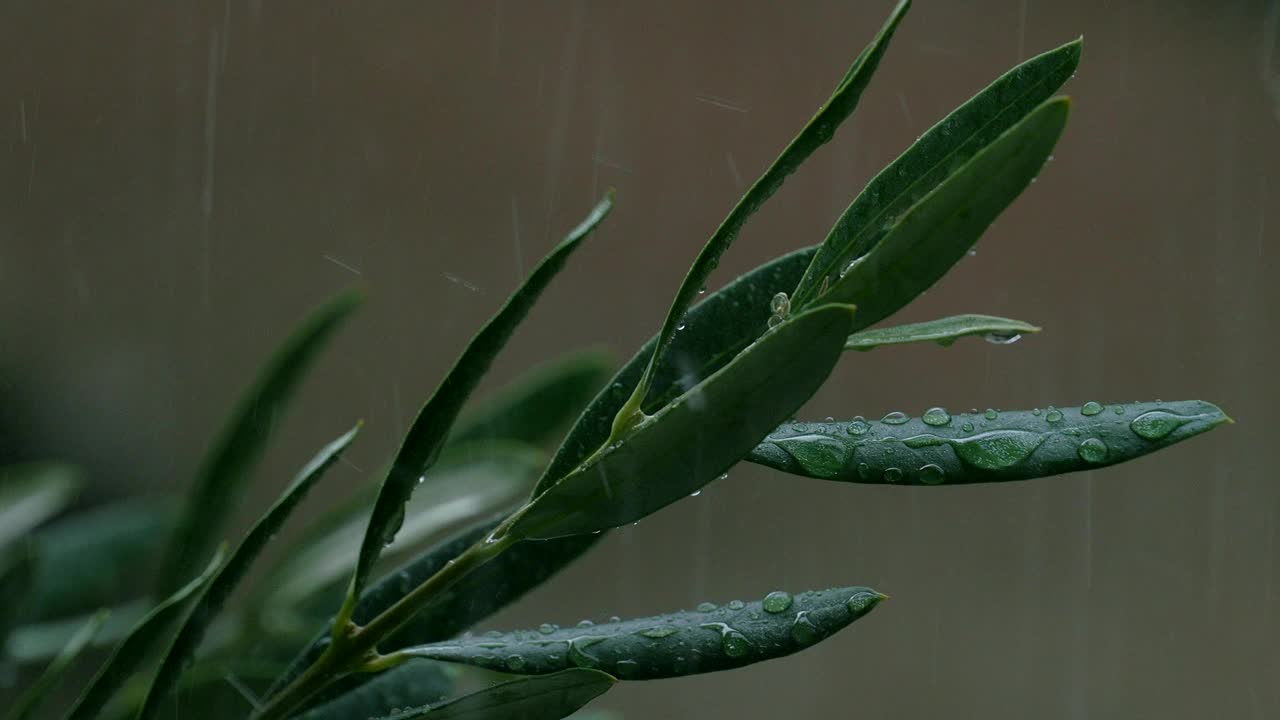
(181, 181)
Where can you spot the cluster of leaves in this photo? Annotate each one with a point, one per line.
(717, 385)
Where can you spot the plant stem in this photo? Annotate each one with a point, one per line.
(356, 648)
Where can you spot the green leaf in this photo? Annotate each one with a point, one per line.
(816, 133)
(718, 328)
(538, 406)
(213, 596)
(489, 588)
(934, 157)
(705, 640)
(135, 651)
(465, 485)
(937, 231)
(943, 331)
(94, 559)
(28, 702)
(550, 697)
(427, 434)
(698, 436)
(32, 493)
(226, 467)
(941, 448)
(415, 683)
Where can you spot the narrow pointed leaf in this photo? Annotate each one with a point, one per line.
(94, 559)
(935, 156)
(550, 697)
(30, 700)
(38, 642)
(226, 467)
(943, 331)
(939, 448)
(213, 596)
(491, 587)
(816, 133)
(135, 651)
(937, 231)
(415, 683)
(465, 485)
(539, 405)
(31, 493)
(717, 329)
(428, 433)
(705, 640)
(698, 436)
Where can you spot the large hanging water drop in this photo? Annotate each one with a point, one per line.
(1002, 338)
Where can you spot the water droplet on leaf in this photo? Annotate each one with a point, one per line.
(1090, 409)
(1157, 424)
(803, 631)
(932, 474)
(1092, 450)
(936, 417)
(895, 418)
(776, 602)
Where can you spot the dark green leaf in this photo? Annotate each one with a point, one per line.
(705, 640)
(135, 651)
(415, 683)
(549, 697)
(935, 156)
(816, 133)
(489, 588)
(226, 467)
(465, 485)
(943, 331)
(95, 558)
(35, 694)
(717, 329)
(929, 238)
(537, 407)
(427, 434)
(32, 493)
(940, 448)
(17, 568)
(212, 598)
(698, 436)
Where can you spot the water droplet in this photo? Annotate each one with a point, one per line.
(659, 632)
(695, 493)
(859, 426)
(997, 450)
(515, 663)
(614, 619)
(967, 427)
(1090, 409)
(932, 474)
(1002, 338)
(776, 602)
(864, 471)
(819, 455)
(1036, 412)
(626, 668)
(1054, 415)
(680, 325)
(702, 290)
(894, 418)
(780, 304)
(736, 605)
(1157, 424)
(916, 442)
(1119, 410)
(774, 321)
(936, 417)
(971, 252)
(547, 628)
(493, 634)
(1093, 450)
(803, 631)
(892, 474)
(585, 623)
(706, 607)
(862, 601)
(735, 644)
(723, 476)
(991, 414)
